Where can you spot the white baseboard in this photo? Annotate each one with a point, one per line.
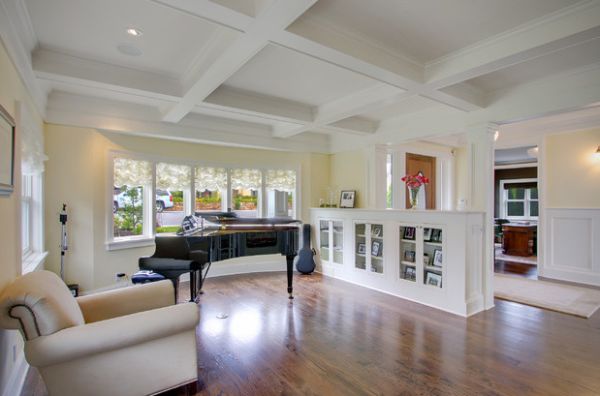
(14, 385)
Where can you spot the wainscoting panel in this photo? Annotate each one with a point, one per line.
(572, 245)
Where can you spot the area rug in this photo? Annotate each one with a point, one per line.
(515, 259)
(573, 300)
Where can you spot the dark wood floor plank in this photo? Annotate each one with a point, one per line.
(340, 339)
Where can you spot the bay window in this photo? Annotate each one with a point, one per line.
(150, 197)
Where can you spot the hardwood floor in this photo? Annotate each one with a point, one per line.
(340, 339)
(512, 268)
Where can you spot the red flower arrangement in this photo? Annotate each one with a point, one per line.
(415, 181)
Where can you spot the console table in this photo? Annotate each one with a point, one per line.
(518, 239)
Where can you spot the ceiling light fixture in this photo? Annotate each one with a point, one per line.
(134, 32)
(597, 153)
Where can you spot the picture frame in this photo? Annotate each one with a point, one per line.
(425, 259)
(436, 235)
(347, 198)
(410, 273)
(433, 279)
(362, 248)
(437, 258)
(409, 233)
(375, 248)
(427, 234)
(7, 152)
(409, 255)
(376, 231)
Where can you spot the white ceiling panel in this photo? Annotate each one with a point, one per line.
(425, 30)
(573, 57)
(283, 73)
(94, 29)
(410, 105)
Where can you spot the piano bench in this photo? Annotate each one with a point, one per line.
(172, 269)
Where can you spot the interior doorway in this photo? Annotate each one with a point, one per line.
(516, 211)
(426, 165)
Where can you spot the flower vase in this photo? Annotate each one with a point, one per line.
(413, 194)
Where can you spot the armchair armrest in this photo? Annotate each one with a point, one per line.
(125, 301)
(108, 335)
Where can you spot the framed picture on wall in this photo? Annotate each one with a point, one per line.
(409, 233)
(7, 152)
(347, 199)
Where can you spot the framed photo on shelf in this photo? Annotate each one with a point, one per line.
(433, 279)
(375, 248)
(377, 231)
(347, 199)
(409, 255)
(436, 235)
(425, 259)
(427, 234)
(437, 258)
(7, 152)
(410, 273)
(362, 248)
(409, 233)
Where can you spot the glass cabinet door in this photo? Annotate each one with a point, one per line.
(360, 249)
(408, 253)
(433, 258)
(377, 248)
(324, 240)
(338, 241)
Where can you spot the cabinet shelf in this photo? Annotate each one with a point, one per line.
(433, 243)
(408, 240)
(409, 263)
(433, 268)
(377, 257)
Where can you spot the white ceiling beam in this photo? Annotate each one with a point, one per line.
(358, 125)
(276, 17)
(56, 67)
(210, 11)
(359, 102)
(550, 33)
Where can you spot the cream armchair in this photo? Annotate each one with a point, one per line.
(130, 341)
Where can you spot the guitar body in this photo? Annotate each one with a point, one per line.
(305, 260)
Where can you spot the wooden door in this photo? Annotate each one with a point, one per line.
(416, 163)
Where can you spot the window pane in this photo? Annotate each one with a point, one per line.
(245, 188)
(516, 193)
(132, 179)
(533, 209)
(281, 192)
(516, 209)
(389, 178)
(533, 193)
(210, 185)
(172, 195)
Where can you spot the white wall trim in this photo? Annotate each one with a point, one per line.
(572, 245)
(14, 385)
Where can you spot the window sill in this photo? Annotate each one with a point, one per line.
(130, 243)
(33, 262)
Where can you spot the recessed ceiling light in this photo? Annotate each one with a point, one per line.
(129, 49)
(134, 32)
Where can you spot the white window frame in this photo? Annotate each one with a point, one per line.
(526, 200)
(147, 239)
(33, 195)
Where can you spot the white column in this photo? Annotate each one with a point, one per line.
(376, 177)
(480, 148)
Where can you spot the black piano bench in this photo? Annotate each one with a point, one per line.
(167, 262)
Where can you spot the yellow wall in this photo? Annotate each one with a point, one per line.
(572, 174)
(11, 92)
(349, 172)
(76, 174)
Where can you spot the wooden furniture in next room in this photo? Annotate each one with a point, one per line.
(519, 239)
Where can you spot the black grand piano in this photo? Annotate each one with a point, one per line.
(217, 237)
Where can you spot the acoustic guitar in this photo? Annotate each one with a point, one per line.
(305, 260)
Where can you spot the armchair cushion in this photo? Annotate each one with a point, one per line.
(38, 304)
(125, 301)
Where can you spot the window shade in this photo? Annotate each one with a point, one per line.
(173, 177)
(282, 180)
(213, 179)
(249, 179)
(520, 185)
(131, 172)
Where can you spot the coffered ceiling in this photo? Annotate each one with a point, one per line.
(314, 75)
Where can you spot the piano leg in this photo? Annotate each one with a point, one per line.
(290, 273)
